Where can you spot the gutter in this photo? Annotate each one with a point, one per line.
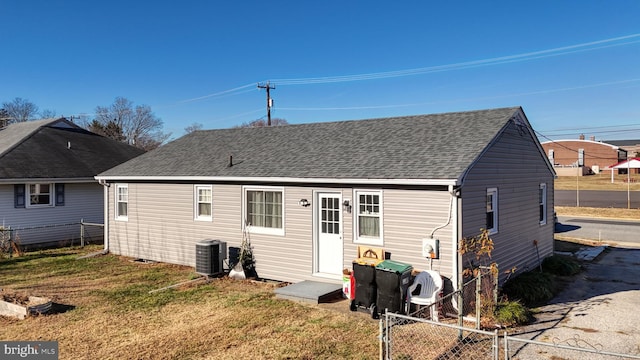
(358, 181)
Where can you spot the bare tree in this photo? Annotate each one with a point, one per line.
(139, 125)
(48, 114)
(263, 123)
(193, 127)
(4, 118)
(20, 110)
(110, 130)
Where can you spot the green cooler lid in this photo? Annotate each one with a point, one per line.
(395, 266)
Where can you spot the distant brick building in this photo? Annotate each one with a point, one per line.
(631, 146)
(589, 156)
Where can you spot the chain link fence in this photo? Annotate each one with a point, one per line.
(451, 329)
(478, 296)
(554, 348)
(411, 338)
(16, 240)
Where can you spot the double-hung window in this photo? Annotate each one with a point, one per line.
(542, 201)
(40, 195)
(264, 210)
(369, 217)
(122, 202)
(203, 202)
(492, 210)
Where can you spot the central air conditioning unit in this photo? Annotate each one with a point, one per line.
(210, 255)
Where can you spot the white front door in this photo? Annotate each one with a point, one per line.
(329, 234)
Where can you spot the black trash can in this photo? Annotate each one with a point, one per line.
(364, 274)
(392, 282)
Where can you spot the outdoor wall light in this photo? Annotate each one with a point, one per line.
(304, 202)
(346, 206)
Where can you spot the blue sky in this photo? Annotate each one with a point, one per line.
(574, 66)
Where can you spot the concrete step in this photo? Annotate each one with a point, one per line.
(314, 292)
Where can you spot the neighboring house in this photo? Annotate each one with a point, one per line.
(47, 170)
(314, 192)
(582, 157)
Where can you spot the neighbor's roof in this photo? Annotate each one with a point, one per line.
(436, 147)
(624, 143)
(57, 149)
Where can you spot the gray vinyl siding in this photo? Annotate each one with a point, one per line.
(161, 227)
(514, 165)
(410, 216)
(82, 201)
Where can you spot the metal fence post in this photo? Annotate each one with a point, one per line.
(495, 288)
(10, 242)
(381, 345)
(496, 345)
(81, 232)
(506, 345)
(460, 310)
(478, 298)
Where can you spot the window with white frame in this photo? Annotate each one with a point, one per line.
(122, 202)
(264, 210)
(492, 210)
(542, 200)
(40, 195)
(369, 217)
(203, 202)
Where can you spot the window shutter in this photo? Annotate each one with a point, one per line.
(59, 194)
(18, 195)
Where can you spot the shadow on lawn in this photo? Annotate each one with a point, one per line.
(57, 308)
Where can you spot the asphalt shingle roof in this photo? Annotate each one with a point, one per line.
(40, 149)
(439, 146)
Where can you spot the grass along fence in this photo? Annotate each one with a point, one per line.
(16, 240)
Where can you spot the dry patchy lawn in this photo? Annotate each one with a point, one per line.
(614, 213)
(103, 310)
(600, 181)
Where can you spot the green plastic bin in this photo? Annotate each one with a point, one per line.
(392, 282)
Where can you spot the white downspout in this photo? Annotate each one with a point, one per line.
(105, 235)
(455, 236)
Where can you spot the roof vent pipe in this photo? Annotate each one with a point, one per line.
(230, 161)
(69, 145)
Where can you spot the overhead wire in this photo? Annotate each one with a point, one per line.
(558, 143)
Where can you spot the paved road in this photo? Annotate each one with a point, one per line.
(598, 310)
(625, 232)
(597, 198)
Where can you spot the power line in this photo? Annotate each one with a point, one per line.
(568, 148)
(588, 46)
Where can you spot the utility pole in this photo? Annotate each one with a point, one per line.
(268, 86)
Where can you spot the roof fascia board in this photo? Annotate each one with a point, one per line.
(282, 180)
(47, 180)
